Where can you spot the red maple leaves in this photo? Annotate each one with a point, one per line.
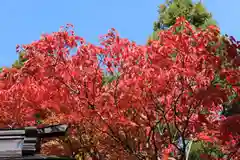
(161, 93)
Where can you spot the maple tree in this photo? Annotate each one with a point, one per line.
(164, 96)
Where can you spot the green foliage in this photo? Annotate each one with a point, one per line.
(195, 13)
(203, 148)
(38, 118)
(109, 78)
(231, 109)
(196, 150)
(19, 63)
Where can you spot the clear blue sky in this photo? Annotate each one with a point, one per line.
(23, 21)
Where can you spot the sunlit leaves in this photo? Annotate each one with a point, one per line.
(153, 97)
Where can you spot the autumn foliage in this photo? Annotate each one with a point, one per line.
(165, 94)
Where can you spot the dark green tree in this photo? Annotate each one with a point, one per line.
(195, 13)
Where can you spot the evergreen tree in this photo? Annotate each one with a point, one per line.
(195, 13)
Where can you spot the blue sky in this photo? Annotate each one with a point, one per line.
(23, 21)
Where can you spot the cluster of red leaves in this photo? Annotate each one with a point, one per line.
(230, 132)
(164, 91)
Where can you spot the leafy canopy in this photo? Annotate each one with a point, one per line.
(153, 108)
(194, 12)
